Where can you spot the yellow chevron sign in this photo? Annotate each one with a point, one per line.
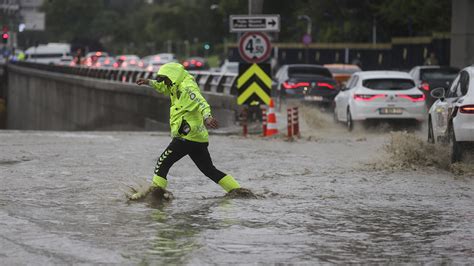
(254, 83)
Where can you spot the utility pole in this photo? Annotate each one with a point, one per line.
(374, 31)
(307, 37)
(255, 6)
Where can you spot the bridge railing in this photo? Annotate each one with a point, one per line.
(214, 82)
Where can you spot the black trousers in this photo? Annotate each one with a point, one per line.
(178, 148)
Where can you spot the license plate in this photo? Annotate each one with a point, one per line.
(313, 98)
(391, 111)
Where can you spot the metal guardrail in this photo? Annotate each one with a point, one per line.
(213, 82)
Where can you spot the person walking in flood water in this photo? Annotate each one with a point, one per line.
(190, 116)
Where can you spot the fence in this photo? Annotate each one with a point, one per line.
(400, 53)
(213, 82)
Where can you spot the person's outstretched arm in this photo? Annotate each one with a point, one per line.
(158, 86)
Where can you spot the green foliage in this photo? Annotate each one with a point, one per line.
(135, 26)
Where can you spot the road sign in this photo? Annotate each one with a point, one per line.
(254, 47)
(254, 83)
(306, 39)
(243, 23)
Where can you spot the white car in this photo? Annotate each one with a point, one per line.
(51, 53)
(451, 117)
(379, 95)
(154, 62)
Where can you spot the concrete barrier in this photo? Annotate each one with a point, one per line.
(46, 97)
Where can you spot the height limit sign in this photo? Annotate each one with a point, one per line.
(254, 47)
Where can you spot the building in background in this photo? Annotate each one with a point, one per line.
(17, 18)
(32, 17)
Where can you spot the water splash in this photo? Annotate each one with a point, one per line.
(241, 193)
(408, 151)
(142, 191)
(315, 118)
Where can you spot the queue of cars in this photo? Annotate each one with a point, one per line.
(444, 96)
(59, 54)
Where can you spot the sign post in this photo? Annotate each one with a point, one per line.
(254, 47)
(254, 82)
(245, 23)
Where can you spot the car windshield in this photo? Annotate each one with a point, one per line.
(107, 60)
(297, 71)
(44, 55)
(388, 84)
(343, 70)
(439, 73)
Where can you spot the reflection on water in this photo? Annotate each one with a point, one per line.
(178, 234)
(275, 230)
(174, 239)
(313, 204)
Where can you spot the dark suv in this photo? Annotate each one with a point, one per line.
(428, 78)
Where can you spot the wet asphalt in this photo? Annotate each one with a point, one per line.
(62, 202)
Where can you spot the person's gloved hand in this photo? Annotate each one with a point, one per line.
(211, 122)
(142, 81)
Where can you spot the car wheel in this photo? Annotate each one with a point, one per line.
(430, 132)
(349, 122)
(456, 148)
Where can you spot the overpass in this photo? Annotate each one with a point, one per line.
(49, 97)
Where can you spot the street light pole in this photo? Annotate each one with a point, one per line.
(308, 35)
(308, 20)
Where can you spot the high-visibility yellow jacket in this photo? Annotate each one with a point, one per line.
(188, 108)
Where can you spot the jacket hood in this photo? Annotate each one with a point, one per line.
(174, 71)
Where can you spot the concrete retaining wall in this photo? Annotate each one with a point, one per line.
(44, 100)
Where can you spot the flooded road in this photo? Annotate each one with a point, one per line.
(321, 201)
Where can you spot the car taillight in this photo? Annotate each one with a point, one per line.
(199, 64)
(327, 85)
(291, 85)
(368, 97)
(425, 86)
(413, 98)
(186, 64)
(467, 109)
(116, 65)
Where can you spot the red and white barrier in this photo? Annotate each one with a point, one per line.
(289, 120)
(264, 121)
(296, 123)
(293, 122)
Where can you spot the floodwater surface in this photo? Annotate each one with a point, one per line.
(319, 200)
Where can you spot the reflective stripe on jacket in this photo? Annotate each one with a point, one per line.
(188, 106)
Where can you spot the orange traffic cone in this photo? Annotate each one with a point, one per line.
(272, 128)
